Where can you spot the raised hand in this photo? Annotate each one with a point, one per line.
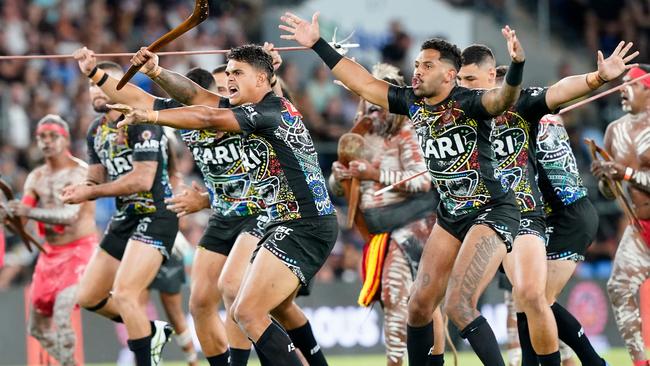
(515, 50)
(303, 32)
(148, 59)
(277, 59)
(133, 116)
(86, 59)
(617, 63)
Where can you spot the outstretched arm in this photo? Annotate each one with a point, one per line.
(129, 94)
(178, 86)
(354, 76)
(189, 118)
(498, 100)
(576, 86)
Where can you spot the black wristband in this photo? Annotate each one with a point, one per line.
(102, 80)
(515, 73)
(327, 53)
(92, 73)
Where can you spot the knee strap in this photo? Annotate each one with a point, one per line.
(99, 305)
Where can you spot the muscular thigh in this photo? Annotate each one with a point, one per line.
(479, 258)
(526, 264)
(238, 260)
(139, 266)
(97, 280)
(436, 263)
(206, 270)
(559, 273)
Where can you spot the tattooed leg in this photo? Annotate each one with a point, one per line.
(65, 342)
(433, 274)
(479, 258)
(428, 291)
(631, 269)
(395, 282)
(40, 327)
(527, 268)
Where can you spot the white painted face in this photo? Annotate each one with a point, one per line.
(627, 95)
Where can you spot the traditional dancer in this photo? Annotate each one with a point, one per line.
(70, 234)
(628, 141)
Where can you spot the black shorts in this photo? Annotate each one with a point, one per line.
(571, 230)
(158, 230)
(303, 245)
(502, 216)
(222, 232)
(171, 276)
(533, 223)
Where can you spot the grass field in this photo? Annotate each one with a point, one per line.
(615, 357)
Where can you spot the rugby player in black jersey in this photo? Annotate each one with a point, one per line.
(130, 165)
(515, 139)
(238, 219)
(477, 215)
(303, 227)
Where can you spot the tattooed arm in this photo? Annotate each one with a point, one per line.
(129, 94)
(176, 85)
(60, 214)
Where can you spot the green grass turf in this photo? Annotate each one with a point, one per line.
(615, 357)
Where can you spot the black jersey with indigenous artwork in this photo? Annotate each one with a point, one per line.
(455, 138)
(118, 148)
(290, 181)
(559, 179)
(226, 169)
(515, 145)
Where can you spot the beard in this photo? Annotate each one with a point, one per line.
(101, 108)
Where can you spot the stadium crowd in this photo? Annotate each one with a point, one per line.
(30, 90)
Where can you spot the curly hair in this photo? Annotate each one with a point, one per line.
(448, 51)
(255, 56)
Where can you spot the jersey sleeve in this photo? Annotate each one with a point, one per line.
(258, 117)
(93, 158)
(472, 104)
(532, 101)
(399, 98)
(147, 142)
(166, 103)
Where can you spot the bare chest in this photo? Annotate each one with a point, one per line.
(50, 185)
(631, 144)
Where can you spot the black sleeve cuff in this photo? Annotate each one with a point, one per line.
(327, 53)
(515, 73)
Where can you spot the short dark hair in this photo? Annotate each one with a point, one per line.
(448, 51)
(202, 77)
(502, 70)
(477, 54)
(255, 56)
(109, 65)
(54, 119)
(219, 69)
